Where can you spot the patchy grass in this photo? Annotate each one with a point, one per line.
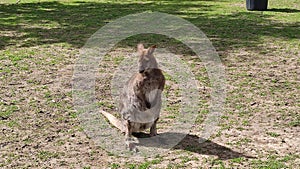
(40, 41)
(272, 134)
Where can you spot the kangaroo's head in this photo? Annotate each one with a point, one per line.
(146, 58)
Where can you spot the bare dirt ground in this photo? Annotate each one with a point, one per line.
(41, 129)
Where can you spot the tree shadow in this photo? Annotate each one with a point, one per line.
(189, 143)
(55, 22)
(285, 10)
(44, 23)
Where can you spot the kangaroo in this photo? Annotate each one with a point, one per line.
(140, 99)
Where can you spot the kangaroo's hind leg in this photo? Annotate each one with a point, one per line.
(153, 130)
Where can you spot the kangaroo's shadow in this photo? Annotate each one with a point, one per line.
(188, 142)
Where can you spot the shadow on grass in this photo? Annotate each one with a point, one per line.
(188, 143)
(285, 10)
(31, 24)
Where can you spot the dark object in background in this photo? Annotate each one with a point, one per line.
(257, 5)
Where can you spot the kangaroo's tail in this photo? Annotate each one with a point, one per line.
(113, 120)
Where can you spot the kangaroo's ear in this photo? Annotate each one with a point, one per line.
(140, 48)
(151, 49)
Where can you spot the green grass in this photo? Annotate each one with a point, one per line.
(115, 166)
(274, 164)
(144, 165)
(40, 39)
(131, 166)
(273, 134)
(87, 167)
(45, 155)
(8, 111)
(232, 25)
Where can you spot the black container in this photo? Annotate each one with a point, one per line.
(257, 5)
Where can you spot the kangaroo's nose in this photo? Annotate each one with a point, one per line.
(141, 69)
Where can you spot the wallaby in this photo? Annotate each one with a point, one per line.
(140, 101)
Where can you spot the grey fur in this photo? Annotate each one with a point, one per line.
(140, 100)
